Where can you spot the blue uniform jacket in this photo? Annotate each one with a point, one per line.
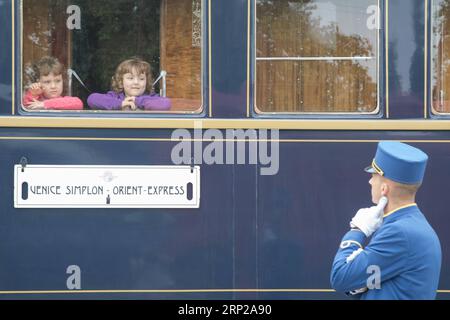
(405, 249)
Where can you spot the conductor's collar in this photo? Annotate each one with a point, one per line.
(398, 209)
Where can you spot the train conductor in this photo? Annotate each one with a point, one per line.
(402, 259)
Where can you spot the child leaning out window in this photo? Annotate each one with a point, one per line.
(46, 87)
(131, 90)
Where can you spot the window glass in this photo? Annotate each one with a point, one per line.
(317, 56)
(440, 56)
(98, 40)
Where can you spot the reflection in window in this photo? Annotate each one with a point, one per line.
(317, 56)
(92, 37)
(441, 56)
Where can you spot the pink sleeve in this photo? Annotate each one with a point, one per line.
(64, 103)
(28, 98)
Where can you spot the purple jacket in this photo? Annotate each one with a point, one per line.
(113, 101)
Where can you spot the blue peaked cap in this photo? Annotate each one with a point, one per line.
(399, 162)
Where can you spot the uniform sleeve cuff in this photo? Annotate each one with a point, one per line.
(356, 236)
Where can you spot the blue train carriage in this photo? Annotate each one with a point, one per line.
(244, 186)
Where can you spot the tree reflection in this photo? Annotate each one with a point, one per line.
(441, 61)
(303, 29)
(112, 32)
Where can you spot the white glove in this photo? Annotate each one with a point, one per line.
(368, 220)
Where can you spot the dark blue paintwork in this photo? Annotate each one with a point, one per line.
(229, 58)
(251, 231)
(406, 55)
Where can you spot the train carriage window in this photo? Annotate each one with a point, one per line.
(440, 56)
(315, 56)
(92, 37)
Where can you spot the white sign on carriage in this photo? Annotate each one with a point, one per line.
(46, 186)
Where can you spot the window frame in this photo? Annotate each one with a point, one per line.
(380, 55)
(205, 75)
(430, 76)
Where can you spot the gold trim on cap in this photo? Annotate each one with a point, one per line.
(377, 168)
